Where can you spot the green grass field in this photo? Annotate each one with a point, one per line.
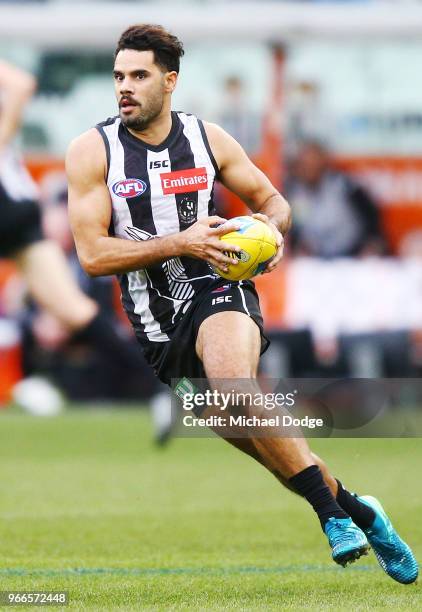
(88, 505)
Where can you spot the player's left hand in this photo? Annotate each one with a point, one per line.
(279, 240)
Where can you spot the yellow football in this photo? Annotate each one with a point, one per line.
(258, 246)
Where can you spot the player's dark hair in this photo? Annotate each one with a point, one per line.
(166, 47)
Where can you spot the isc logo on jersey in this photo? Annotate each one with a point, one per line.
(129, 188)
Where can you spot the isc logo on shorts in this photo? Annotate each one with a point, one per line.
(129, 188)
(221, 300)
(184, 181)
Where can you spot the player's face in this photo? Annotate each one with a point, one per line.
(140, 87)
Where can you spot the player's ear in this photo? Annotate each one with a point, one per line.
(170, 81)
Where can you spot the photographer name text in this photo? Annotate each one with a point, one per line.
(189, 420)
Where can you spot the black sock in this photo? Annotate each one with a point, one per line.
(101, 332)
(360, 513)
(310, 484)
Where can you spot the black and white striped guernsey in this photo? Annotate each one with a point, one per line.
(155, 191)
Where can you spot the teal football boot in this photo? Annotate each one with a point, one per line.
(347, 541)
(394, 555)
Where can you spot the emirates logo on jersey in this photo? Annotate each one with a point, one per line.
(129, 188)
(184, 181)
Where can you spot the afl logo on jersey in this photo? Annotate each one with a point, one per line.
(129, 188)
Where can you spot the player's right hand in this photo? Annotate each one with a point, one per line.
(202, 241)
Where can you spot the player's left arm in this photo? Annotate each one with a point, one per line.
(242, 177)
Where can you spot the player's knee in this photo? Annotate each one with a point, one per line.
(215, 368)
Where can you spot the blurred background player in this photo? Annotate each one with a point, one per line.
(333, 215)
(41, 262)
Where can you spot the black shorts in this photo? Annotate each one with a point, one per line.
(20, 224)
(177, 358)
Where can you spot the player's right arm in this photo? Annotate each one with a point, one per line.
(90, 213)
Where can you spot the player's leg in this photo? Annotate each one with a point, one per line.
(288, 458)
(393, 554)
(217, 336)
(359, 512)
